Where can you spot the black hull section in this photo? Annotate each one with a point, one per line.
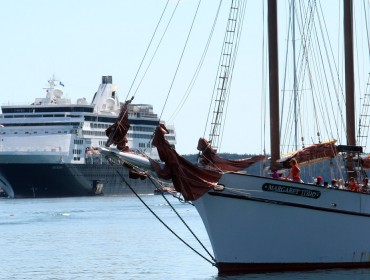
(65, 180)
(245, 268)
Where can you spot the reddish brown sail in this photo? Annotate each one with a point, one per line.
(312, 154)
(211, 159)
(187, 178)
(365, 162)
(117, 132)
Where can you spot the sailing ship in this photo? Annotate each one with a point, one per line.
(49, 148)
(260, 223)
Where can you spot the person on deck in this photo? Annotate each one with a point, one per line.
(275, 174)
(341, 185)
(318, 181)
(353, 185)
(365, 185)
(294, 171)
(334, 184)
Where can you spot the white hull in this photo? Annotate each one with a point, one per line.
(257, 230)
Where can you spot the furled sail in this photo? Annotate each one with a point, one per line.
(211, 159)
(116, 133)
(312, 154)
(187, 178)
(365, 162)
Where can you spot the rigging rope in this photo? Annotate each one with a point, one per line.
(180, 60)
(364, 120)
(367, 29)
(316, 69)
(221, 90)
(339, 91)
(264, 83)
(142, 61)
(236, 49)
(182, 220)
(158, 45)
(196, 73)
(160, 220)
(147, 49)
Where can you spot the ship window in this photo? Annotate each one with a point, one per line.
(35, 132)
(139, 135)
(15, 132)
(170, 137)
(46, 132)
(142, 128)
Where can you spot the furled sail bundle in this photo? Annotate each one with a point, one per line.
(117, 132)
(187, 178)
(365, 162)
(211, 159)
(312, 154)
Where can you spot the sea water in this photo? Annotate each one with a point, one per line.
(113, 238)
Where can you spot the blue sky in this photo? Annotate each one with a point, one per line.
(80, 41)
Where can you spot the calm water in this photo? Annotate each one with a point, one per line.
(110, 238)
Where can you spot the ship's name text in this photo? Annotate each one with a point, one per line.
(290, 190)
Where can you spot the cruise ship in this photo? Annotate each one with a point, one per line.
(49, 148)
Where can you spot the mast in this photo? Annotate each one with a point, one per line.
(273, 83)
(350, 84)
(349, 71)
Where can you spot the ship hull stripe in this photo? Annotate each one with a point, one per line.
(238, 268)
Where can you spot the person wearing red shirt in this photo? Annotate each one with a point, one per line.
(353, 185)
(294, 171)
